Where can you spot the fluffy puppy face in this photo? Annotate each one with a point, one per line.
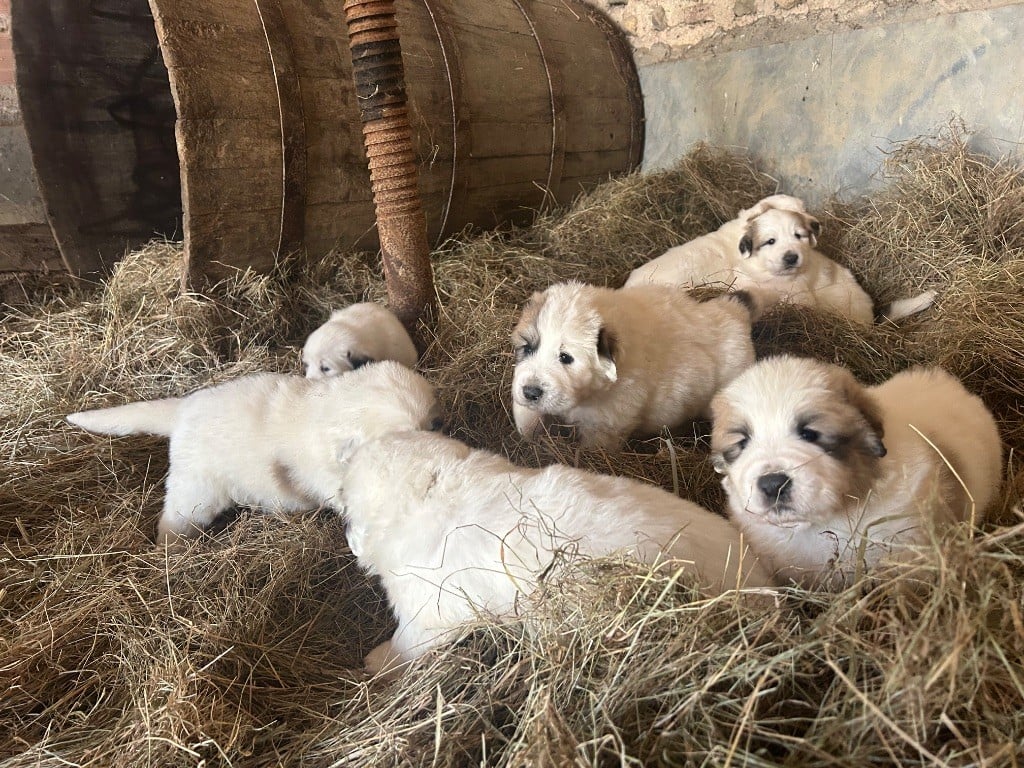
(797, 441)
(332, 349)
(565, 352)
(360, 333)
(780, 241)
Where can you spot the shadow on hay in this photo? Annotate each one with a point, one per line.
(246, 650)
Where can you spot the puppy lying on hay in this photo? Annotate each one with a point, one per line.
(248, 650)
(828, 478)
(769, 250)
(455, 533)
(621, 363)
(266, 440)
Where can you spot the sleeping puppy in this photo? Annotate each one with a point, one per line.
(266, 440)
(354, 336)
(617, 363)
(826, 477)
(455, 532)
(769, 251)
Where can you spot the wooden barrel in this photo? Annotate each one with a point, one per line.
(515, 104)
(97, 108)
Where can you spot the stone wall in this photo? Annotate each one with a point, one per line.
(665, 30)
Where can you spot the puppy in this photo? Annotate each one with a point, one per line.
(616, 363)
(455, 532)
(354, 336)
(769, 251)
(827, 477)
(266, 440)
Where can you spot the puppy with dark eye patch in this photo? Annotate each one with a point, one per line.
(827, 477)
(619, 363)
(354, 336)
(769, 251)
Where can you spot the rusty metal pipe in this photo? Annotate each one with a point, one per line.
(387, 135)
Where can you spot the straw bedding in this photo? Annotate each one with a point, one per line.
(246, 650)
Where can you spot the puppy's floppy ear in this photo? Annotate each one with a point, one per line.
(746, 244)
(857, 396)
(607, 347)
(357, 360)
(815, 226)
(530, 311)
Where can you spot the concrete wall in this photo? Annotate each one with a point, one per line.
(820, 112)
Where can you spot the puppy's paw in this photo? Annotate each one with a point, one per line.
(172, 541)
(384, 662)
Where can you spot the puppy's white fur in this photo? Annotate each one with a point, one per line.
(616, 363)
(266, 440)
(768, 250)
(455, 532)
(358, 334)
(827, 477)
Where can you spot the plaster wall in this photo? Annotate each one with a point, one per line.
(819, 113)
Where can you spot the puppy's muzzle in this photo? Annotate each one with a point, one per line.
(775, 486)
(790, 259)
(532, 393)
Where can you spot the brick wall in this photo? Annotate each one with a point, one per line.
(9, 114)
(6, 55)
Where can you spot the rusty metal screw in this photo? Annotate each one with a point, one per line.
(380, 88)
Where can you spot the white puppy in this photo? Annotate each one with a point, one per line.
(768, 250)
(266, 440)
(455, 532)
(354, 336)
(616, 363)
(827, 477)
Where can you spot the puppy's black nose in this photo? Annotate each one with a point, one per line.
(532, 392)
(775, 486)
(790, 258)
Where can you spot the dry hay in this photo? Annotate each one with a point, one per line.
(246, 650)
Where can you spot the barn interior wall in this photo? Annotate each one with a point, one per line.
(665, 30)
(806, 101)
(821, 112)
(19, 194)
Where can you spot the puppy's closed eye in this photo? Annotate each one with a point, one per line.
(733, 451)
(523, 350)
(829, 442)
(565, 358)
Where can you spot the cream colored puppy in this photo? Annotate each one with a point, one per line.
(616, 363)
(266, 440)
(354, 336)
(455, 532)
(827, 477)
(769, 251)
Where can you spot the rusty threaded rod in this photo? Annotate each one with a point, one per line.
(387, 135)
